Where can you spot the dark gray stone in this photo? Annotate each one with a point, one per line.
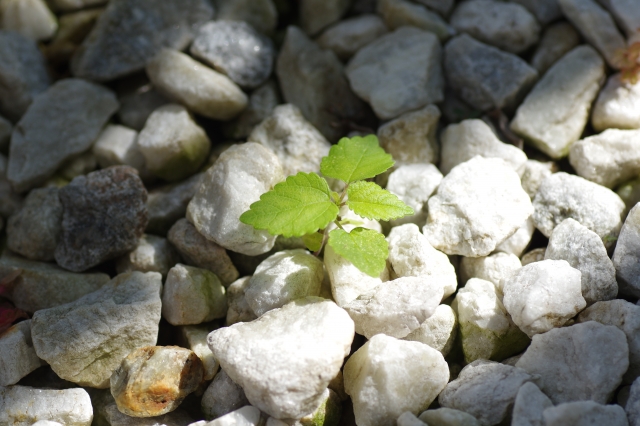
(168, 203)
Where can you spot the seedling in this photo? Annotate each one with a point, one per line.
(304, 205)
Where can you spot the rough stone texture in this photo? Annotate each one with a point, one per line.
(153, 380)
(285, 359)
(262, 101)
(448, 417)
(346, 37)
(485, 389)
(617, 106)
(239, 310)
(238, 178)
(138, 104)
(17, 356)
(198, 87)
(298, 145)
(507, 26)
(167, 204)
(400, 13)
(40, 285)
(486, 329)
(625, 13)
(34, 230)
(152, 254)
(494, 268)
(62, 122)
(23, 74)
(584, 413)
(222, 397)
(557, 40)
(626, 259)
(529, 405)
(533, 172)
(312, 79)
(192, 296)
(283, 277)
(85, 341)
(411, 255)
(114, 417)
(478, 205)
(387, 377)
(562, 356)
(563, 196)
(438, 331)
(195, 338)
(463, 141)
(486, 77)
(584, 250)
(24, 405)
(555, 112)
(117, 145)
(104, 217)
(632, 406)
(414, 184)
(260, 14)
(130, 32)
(596, 26)
(398, 72)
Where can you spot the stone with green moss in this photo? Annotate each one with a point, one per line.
(327, 414)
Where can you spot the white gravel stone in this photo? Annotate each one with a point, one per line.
(409, 419)
(585, 413)
(195, 85)
(387, 377)
(23, 406)
(400, 13)
(494, 268)
(463, 141)
(507, 26)
(533, 172)
(448, 417)
(543, 295)
(298, 145)
(117, 145)
(519, 240)
(584, 250)
(17, 356)
(195, 338)
(283, 277)
(529, 405)
(414, 184)
(245, 416)
(625, 13)
(617, 106)
(262, 101)
(555, 112)
(398, 72)
(239, 310)
(561, 357)
(346, 37)
(556, 41)
(535, 255)
(411, 255)
(626, 257)
(285, 359)
(477, 206)
(222, 397)
(153, 254)
(485, 389)
(31, 18)
(238, 178)
(47, 423)
(438, 331)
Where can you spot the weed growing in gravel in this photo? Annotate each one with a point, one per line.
(304, 205)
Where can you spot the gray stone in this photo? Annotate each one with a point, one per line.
(168, 203)
(260, 14)
(438, 331)
(24, 405)
(118, 146)
(235, 49)
(222, 397)
(262, 101)
(507, 26)
(494, 268)
(85, 341)
(398, 72)
(61, 123)
(239, 310)
(346, 37)
(17, 356)
(533, 173)
(195, 338)
(35, 229)
(626, 257)
(414, 184)
(529, 405)
(10, 200)
(632, 407)
(585, 413)
(315, 15)
(6, 128)
(625, 13)
(175, 418)
(596, 26)
(448, 417)
(400, 13)
(617, 106)
(545, 11)
(584, 250)
(152, 254)
(562, 356)
(31, 18)
(104, 217)
(23, 74)
(137, 106)
(557, 40)
(142, 29)
(563, 196)
(312, 79)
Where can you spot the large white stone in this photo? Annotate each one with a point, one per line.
(414, 184)
(495, 268)
(438, 331)
(195, 338)
(23, 406)
(17, 356)
(585, 413)
(617, 106)
(31, 18)
(519, 240)
(117, 145)
(533, 172)
(529, 405)
(626, 257)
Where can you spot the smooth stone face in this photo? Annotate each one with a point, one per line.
(196, 340)
(562, 355)
(61, 123)
(477, 206)
(167, 204)
(222, 397)
(400, 13)
(35, 229)
(584, 250)
(485, 389)
(312, 78)
(198, 87)
(463, 141)
(85, 341)
(298, 145)
(585, 413)
(557, 40)
(494, 268)
(283, 277)
(625, 257)
(346, 37)
(144, 27)
(23, 74)
(562, 196)
(118, 145)
(153, 380)
(239, 310)
(448, 417)
(438, 331)
(387, 377)
(486, 77)
(507, 26)
(533, 173)
(260, 14)
(555, 112)
(31, 18)
(285, 359)
(40, 285)
(239, 177)
(17, 356)
(486, 328)
(399, 72)
(104, 217)
(617, 106)
(543, 295)
(24, 405)
(529, 405)
(152, 254)
(137, 106)
(414, 184)
(262, 101)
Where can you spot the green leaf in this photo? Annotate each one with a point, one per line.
(368, 200)
(298, 206)
(366, 249)
(313, 242)
(356, 159)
